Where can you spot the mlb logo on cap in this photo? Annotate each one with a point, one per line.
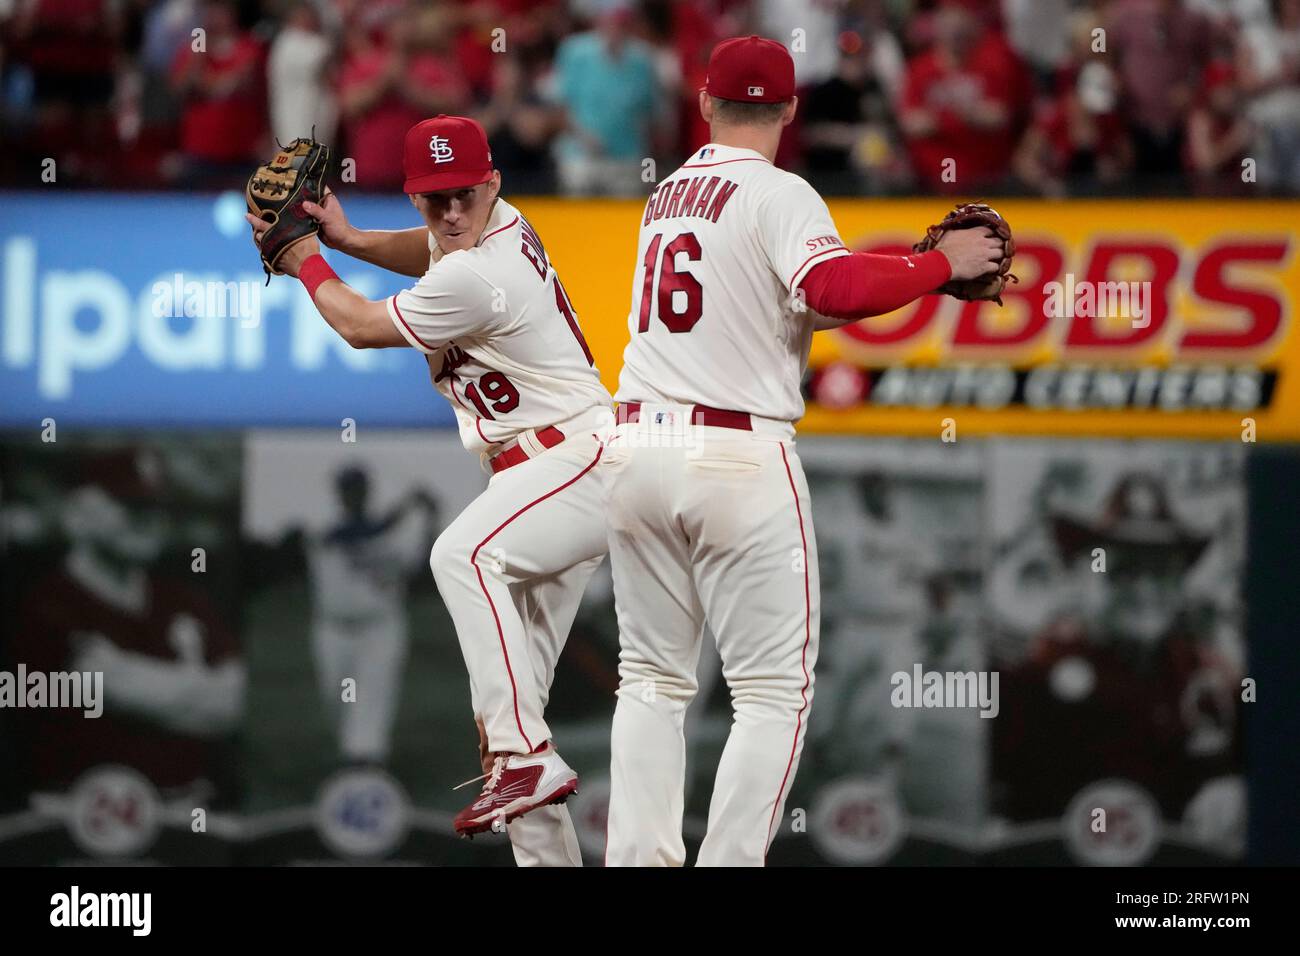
(751, 70)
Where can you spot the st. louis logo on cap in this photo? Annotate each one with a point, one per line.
(440, 150)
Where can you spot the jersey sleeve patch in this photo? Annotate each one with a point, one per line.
(823, 248)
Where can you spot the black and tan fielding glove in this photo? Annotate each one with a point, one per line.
(276, 192)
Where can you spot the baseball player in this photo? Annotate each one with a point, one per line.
(504, 346)
(738, 262)
(359, 570)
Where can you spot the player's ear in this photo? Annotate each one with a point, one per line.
(494, 184)
(788, 116)
(706, 106)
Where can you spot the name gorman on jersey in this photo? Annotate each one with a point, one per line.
(697, 196)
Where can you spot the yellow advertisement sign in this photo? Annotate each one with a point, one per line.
(1142, 318)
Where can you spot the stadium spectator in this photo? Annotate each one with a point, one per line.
(654, 24)
(165, 27)
(1268, 63)
(68, 50)
(299, 78)
(1078, 142)
(520, 123)
(847, 128)
(220, 79)
(1225, 14)
(691, 28)
(1160, 48)
(579, 93)
(398, 72)
(488, 28)
(1039, 32)
(605, 79)
(809, 28)
(959, 105)
(1218, 134)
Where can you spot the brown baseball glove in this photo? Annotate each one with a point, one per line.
(972, 215)
(276, 192)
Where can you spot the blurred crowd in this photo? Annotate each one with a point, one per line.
(1048, 97)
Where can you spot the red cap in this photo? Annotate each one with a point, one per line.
(446, 152)
(751, 70)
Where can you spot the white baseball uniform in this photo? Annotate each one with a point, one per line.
(504, 346)
(708, 507)
(358, 577)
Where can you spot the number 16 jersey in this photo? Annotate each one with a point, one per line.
(725, 241)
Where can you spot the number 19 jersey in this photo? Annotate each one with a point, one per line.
(724, 243)
(501, 337)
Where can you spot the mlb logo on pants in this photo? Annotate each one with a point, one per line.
(662, 425)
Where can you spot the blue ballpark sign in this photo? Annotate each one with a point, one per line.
(151, 310)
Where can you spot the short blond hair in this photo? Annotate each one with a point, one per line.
(740, 113)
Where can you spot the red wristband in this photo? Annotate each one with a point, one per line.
(313, 272)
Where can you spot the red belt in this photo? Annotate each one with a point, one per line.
(700, 415)
(548, 437)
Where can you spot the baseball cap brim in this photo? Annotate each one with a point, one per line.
(452, 179)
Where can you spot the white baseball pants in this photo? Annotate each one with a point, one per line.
(371, 651)
(719, 531)
(512, 569)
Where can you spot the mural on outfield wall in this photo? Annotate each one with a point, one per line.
(119, 561)
(1100, 581)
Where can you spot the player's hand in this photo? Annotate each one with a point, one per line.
(259, 226)
(971, 252)
(335, 230)
(294, 256)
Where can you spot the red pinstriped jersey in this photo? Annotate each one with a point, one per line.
(725, 240)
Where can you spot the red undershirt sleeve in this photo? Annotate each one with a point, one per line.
(863, 284)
